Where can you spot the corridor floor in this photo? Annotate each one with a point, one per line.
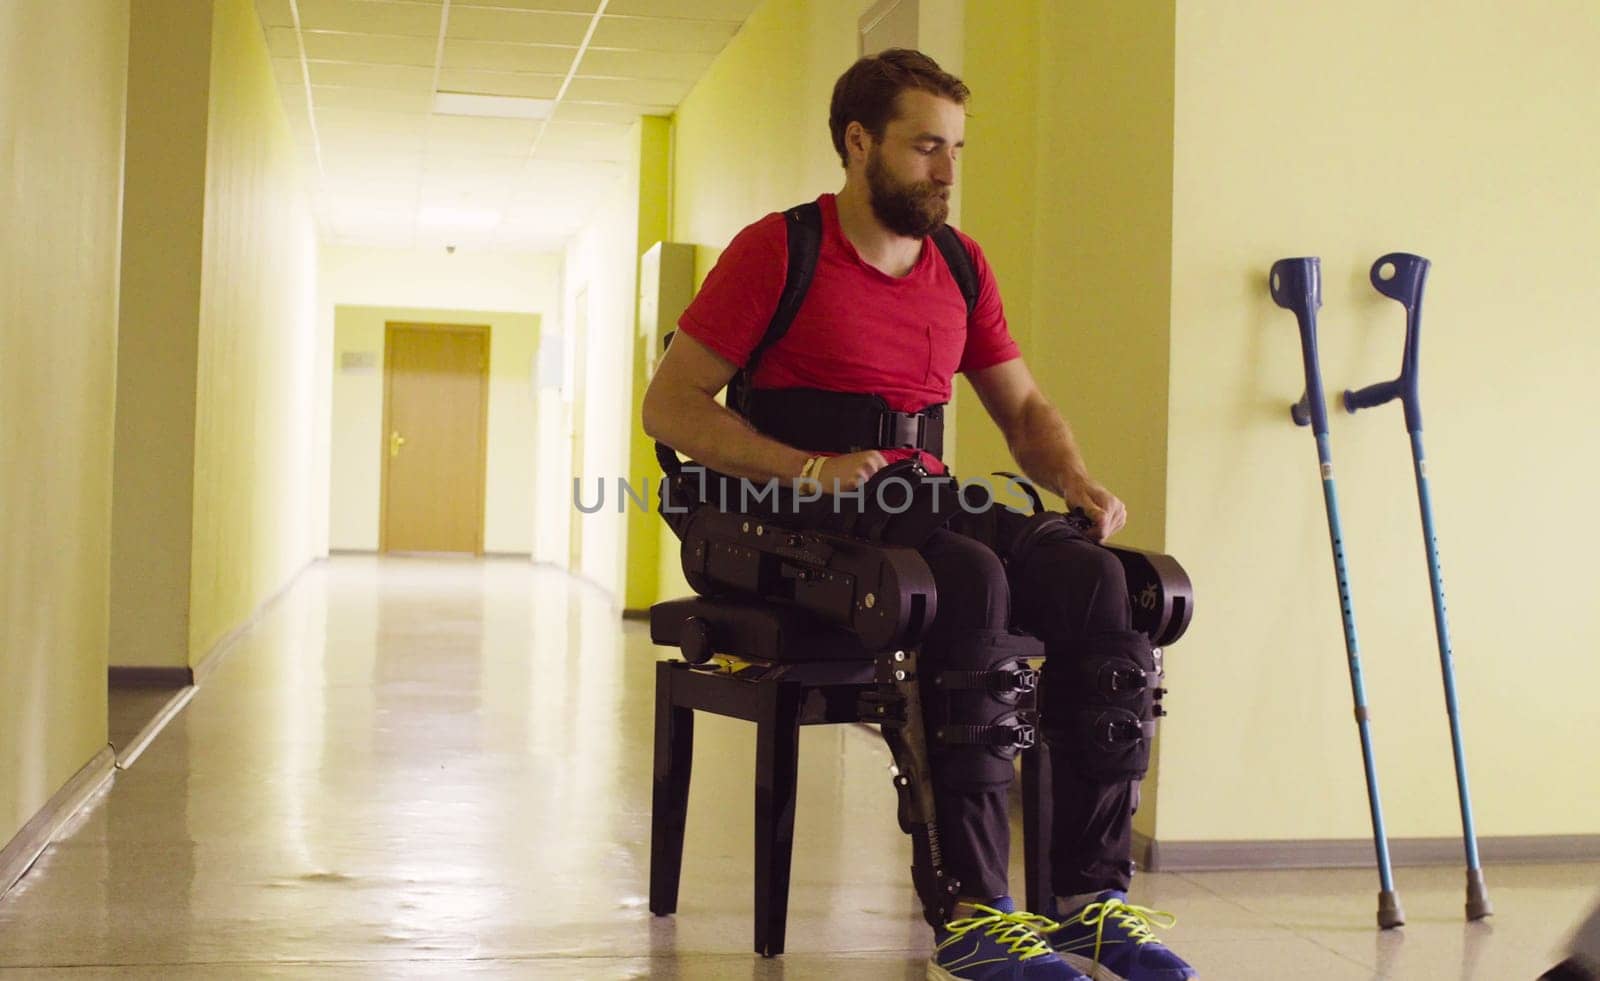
(441, 768)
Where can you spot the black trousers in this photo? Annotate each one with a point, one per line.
(1062, 589)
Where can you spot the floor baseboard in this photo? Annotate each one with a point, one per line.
(25, 848)
(1217, 856)
(131, 677)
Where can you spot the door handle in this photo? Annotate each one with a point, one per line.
(395, 442)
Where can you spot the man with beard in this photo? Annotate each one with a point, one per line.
(884, 315)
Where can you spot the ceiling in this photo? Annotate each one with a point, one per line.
(358, 80)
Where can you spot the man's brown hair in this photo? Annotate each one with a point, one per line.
(867, 92)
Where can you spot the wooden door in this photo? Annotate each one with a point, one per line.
(435, 438)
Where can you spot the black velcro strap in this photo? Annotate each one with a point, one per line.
(1019, 736)
(1021, 680)
(1115, 731)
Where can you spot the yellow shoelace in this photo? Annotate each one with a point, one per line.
(1019, 932)
(1136, 920)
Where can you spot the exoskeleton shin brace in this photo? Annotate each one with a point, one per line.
(1105, 703)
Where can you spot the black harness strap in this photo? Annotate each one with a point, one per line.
(803, 225)
(960, 263)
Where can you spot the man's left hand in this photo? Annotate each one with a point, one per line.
(1107, 512)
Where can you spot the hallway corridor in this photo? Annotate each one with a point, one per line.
(436, 768)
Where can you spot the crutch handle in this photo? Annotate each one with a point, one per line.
(1296, 285)
(1407, 275)
(1371, 396)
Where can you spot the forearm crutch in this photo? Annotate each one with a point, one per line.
(1407, 275)
(1297, 285)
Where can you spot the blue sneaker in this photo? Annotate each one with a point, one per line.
(1110, 940)
(996, 943)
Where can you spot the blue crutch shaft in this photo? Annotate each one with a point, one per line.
(1407, 277)
(1296, 285)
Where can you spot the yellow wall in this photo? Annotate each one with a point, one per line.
(63, 81)
(357, 442)
(645, 528)
(600, 270)
(169, 81)
(1068, 188)
(1468, 133)
(255, 401)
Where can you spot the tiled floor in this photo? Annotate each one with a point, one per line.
(416, 768)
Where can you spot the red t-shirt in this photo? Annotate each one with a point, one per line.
(859, 330)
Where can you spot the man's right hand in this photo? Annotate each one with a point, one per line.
(850, 471)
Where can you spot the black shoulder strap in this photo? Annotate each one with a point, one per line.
(960, 263)
(803, 224)
(803, 227)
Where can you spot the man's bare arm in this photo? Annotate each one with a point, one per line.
(681, 410)
(1042, 443)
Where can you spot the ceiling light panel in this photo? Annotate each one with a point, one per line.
(469, 133)
(664, 34)
(521, 84)
(370, 17)
(494, 56)
(516, 26)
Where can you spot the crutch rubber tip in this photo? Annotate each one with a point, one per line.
(1478, 905)
(1390, 915)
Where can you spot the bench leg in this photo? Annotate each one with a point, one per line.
(777, 764)
(669, 804)
(1037, 798)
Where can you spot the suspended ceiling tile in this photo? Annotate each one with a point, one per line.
(521, 84)
(730, 10)
(378, 100)
(616, 62)
(493, 56)
(286, 71)
(570, 141)
(394, 190)
(560, 6)
(274, 13)
(517, 26)
(377, 49)
(471, 133)
(448, 163)
(281, 42)
(338, 118)
(401, 78)
(371, 17)
(663, 34)
(628, 91)
(597, 112)
(394, 145)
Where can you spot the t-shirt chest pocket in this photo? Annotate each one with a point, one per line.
(946, 340)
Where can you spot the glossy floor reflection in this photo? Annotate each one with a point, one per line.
(422, 769)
